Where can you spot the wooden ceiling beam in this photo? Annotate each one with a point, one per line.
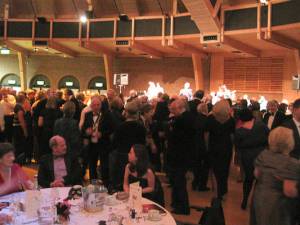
(96, 48)
(202, 12)
(60, 48)
(283, 41)
(229, 7)
(131, 7)
(148, 50)
(15, 47)
(217, 8)
(185, 48)
(241, 46)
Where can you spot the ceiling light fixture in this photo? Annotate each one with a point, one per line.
(264, 2)
(4, 51)
(83, 19)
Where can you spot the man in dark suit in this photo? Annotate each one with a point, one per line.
(57, 169)
(161, 117)
(196, 101)
(181, 140)
(97, 129)
(294, 124)
(273, 118)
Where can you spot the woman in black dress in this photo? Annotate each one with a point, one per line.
(250, 139)
(139, 170)
(20, 132)
(46, 121)
(219, 135)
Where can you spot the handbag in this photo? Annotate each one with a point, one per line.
(214, 214)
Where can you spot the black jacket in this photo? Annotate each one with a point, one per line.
(193, 104)
(181, 140)
(46, 171)
(106, 126)
(279, 119)
(291, 125)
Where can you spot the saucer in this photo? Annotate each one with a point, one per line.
(154, 219)
(112, 203)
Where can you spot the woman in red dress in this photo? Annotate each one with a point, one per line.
(12, 177)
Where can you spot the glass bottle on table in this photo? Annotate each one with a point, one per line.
(36, 183)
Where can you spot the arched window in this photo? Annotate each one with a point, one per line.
(10, 80)
(39, 81)
(70, 82)
(97, 83)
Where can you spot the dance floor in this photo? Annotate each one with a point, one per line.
(231, 205)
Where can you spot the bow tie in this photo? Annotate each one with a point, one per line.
(272, 114)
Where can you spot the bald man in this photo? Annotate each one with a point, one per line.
(58, 169)
(181, 142)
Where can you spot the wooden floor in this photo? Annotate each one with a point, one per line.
(231, 205)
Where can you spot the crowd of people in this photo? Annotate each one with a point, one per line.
(133, 139)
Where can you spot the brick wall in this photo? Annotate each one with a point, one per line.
(171, 73)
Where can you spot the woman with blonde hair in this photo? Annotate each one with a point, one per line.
(272, 166)
(219, 132)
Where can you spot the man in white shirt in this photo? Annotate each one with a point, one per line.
(273, 118)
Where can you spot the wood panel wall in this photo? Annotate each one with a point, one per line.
(254, 74)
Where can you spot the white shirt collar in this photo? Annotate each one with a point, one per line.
(296, 122)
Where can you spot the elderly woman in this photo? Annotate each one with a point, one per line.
(272, 166)
(12, 177)
(219, 134)
(127, 134)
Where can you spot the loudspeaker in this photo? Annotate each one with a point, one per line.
(296, 82)
(123, 17)
(42, 20)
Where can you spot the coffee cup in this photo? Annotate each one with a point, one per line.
(153, 214)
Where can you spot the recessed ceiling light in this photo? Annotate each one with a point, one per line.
(4, 51)
(83, 19)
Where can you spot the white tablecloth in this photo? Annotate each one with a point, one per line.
(81, 217)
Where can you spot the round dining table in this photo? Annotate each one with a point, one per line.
(78, 216)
